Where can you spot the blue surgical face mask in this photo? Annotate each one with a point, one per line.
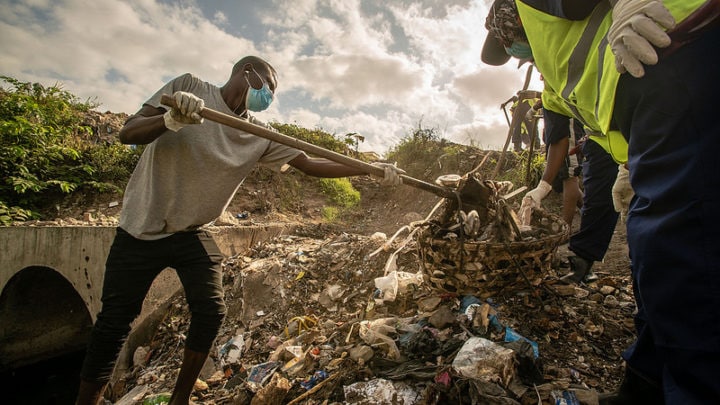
(520, 50)
(258, 99)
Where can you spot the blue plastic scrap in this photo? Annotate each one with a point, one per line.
(511, 336)
(565, 398)
(260, 373)
(316, 378)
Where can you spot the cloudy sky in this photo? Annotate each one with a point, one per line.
(379, 68)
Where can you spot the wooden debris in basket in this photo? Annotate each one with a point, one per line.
(457, 261)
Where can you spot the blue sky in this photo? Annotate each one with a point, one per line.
(378, 68)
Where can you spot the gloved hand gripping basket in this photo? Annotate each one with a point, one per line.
(479, 238)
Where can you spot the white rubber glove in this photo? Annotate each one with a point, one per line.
(532, 113)
(541, 191)
(622, 192)
(392, 174)
(637, 26)
(187, 111)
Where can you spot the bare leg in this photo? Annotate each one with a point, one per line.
(572, 199)
(189, 371)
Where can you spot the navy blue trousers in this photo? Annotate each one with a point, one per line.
(598, 216)
(672, 122)
(131, 267)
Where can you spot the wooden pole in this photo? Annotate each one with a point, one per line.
(275, 136)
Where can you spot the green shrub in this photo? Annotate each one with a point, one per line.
(316, 137)
(330, 214)
(10, 214)
(340, 192)
(113, 163)
(520, 173)
(46, 152)
(423, 154)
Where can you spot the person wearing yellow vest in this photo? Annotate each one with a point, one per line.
(647, 69)
(598, 217)
(521, 133)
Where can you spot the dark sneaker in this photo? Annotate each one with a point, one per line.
(634, 390)
(579, 270)
(590, 276)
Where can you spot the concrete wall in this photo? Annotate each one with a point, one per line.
(51, 283)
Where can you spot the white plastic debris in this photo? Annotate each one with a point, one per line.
(377, 333)
(481, 359)
(231, 351)
(396, 283)
(381, 392)
(449, 180)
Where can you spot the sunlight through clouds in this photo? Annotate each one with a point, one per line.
(374, 67)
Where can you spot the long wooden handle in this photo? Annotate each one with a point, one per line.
(266, 133)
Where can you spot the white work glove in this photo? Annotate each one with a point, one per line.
(637, 26)
(186, 113)
(541, 191)
(533, 113)
(622, 192)
(392, 174)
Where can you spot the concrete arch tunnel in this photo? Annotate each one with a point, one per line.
(41, 315)
(51, 283)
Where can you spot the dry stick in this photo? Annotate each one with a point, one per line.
(314, 389)
(506, 212)
(515, 122)
(531, 147)
(478, 167)
(387, 244)
(538, 394)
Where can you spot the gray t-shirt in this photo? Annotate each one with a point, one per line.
(186, 179)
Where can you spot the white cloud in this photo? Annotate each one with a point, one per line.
(373, 67)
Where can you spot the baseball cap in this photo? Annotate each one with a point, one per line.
(503, 25)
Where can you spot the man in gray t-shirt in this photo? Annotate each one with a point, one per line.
(186, 177)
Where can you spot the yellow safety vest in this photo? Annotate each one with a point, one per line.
(578, 67)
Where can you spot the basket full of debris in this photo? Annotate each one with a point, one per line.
(479, 240)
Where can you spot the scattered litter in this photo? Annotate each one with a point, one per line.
(482, 359)
(381, 392)
(231, 351)
(317, 377)
(565, 398)
(511, 336)
(261, 373)
(427, 344)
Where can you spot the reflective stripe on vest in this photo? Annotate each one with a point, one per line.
(581, 83)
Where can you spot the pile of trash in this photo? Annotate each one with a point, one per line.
(349, 319)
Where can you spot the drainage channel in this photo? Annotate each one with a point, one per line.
(51, 382)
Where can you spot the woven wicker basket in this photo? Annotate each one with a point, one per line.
(464, 267)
